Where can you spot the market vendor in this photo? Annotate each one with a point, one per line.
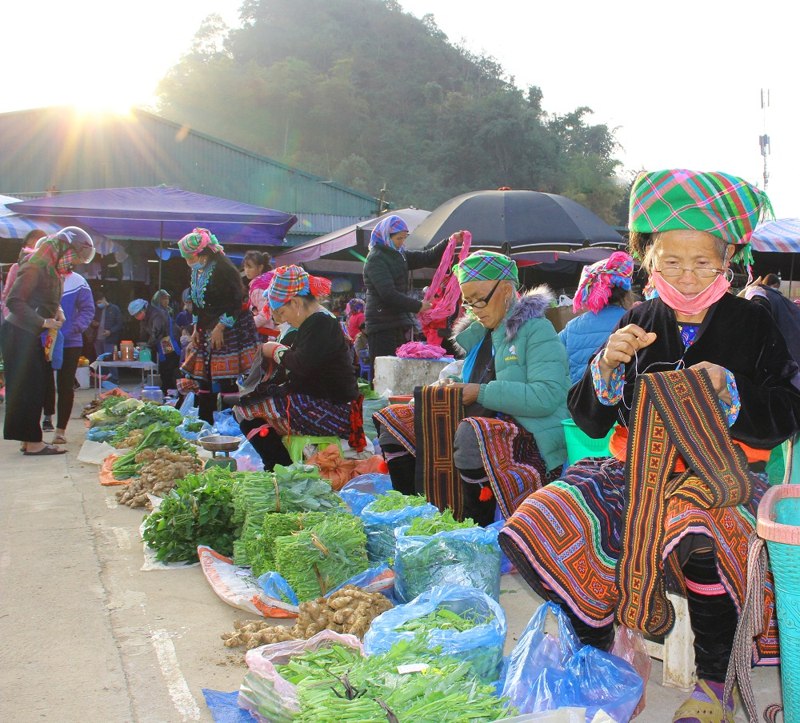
(513, 386)
(311, 385)
(224, 340)
(698, 379)
(161, 332)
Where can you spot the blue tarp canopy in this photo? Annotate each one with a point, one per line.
(161, 213)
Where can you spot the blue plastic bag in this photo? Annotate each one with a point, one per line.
(546, 673)
(100, 434)
(275, 586)
(187, 405)
(380, 527)
(506, 565)
(225, 423)
(191, 417)
(481, 646)
(362, 490)
(468, 557)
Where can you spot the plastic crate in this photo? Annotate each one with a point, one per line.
(779, 524)
(580, 445)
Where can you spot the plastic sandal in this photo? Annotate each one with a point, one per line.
(48, 449)
(59, 439)
(704, 706)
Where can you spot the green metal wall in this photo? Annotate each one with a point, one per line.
(57, 148)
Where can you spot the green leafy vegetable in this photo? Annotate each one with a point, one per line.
(394, 500)
(155, 436)
(440, 522)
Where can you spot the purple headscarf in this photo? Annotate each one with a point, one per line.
(384, 229)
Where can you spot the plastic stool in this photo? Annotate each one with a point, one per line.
(677, 650)
(296, 444)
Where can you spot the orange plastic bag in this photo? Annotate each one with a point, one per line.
(339, 470)
(107, 475)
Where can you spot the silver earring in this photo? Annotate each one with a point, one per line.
(728, 277)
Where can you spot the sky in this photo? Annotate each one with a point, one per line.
(679, 82)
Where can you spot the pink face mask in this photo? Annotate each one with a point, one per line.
(690, 305)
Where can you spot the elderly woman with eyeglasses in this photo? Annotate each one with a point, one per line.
(504, 409)
(703, 387)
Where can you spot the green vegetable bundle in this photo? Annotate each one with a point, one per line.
(112, 410)
(394, 500)
(335, 684)
(199, 511)
(261, 547)
(145, 415)
(441, 551)
(316, 560)
(440, 522)
(439, 619)
(155, 436)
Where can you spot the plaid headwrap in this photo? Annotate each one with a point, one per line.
(384, 229)
(486, 266)
(598, 280)
(720, 204)
(193, 243)
(290, 281)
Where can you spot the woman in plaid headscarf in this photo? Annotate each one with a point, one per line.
(506, 425)
(308, 388)
(224, 341)
(580, 539)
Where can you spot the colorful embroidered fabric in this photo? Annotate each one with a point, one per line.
(565, 538)
(720, 204)
(381, 234)
(598, 281)
(236, 356)
(486, 266)
(201, 238)
(673, 414)
(291, 281)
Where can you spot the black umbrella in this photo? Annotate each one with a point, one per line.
(528, 220)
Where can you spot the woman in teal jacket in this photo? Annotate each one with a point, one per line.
(515, 370)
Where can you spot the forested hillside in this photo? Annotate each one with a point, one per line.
(365, 94)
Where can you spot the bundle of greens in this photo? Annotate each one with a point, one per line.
(154, 436)
(439, 619)
(199, 511)
(440, 522)
(316, 560)
(337, 684)
(144, 416)
(260, 545)
(386, 513)
(112, 410)
(439, 550)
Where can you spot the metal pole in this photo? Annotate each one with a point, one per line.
(791, 275)
(160, 249)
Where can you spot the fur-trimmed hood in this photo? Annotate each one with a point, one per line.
(530, 305)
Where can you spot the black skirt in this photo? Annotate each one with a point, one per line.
(25, 369)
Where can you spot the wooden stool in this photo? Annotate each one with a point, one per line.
(677, 651)
(296, 444)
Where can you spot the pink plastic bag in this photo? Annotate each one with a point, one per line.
(629, 645)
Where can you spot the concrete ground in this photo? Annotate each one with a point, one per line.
(86, 636)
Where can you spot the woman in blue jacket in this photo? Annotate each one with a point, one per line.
(605, 293)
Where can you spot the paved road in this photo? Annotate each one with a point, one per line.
(86, 635)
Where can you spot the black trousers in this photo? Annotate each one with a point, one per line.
(207, 400)
(270, 447)
(63, 386)
(24, 362)
(168, 371)
(385, 342)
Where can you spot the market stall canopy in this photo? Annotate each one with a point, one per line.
(12, 225)
(162, 213)
(349, 236)
(779, 236)
(528, 220)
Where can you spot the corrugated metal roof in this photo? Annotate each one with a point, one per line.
(62, 149)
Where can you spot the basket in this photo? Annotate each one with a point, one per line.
(581, 445)
(779, 524)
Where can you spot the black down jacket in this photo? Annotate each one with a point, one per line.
(386, 277)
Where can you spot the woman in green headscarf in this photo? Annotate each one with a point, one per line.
(702, 386)
(511, 392)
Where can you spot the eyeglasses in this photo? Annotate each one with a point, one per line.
(481, 303)
(701, 272)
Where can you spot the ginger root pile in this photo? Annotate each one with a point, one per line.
(162, 469)
(349, 610)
